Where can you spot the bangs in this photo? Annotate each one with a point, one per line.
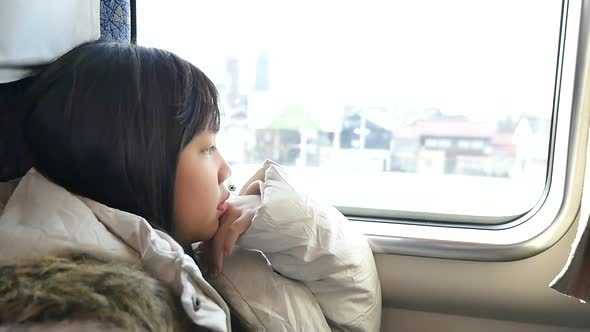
(199, 110)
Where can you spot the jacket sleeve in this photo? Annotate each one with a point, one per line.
(317, 245)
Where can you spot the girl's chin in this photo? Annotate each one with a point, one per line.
(203, 236)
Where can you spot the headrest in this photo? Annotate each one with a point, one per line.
(37, 32)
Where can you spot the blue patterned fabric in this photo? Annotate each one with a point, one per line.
(115, 20)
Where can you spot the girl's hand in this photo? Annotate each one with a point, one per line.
(233, 223)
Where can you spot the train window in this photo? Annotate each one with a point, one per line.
(381, 108)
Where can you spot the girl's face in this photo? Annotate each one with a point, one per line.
(199, 192)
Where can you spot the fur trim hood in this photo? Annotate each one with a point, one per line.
(85, 291)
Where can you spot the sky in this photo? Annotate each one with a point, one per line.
(480, 59)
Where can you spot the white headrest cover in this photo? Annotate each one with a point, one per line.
(36, 32)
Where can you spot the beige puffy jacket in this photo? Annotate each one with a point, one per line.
(42, 219)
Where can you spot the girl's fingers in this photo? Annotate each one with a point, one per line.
(227, 236)
(217, 252)
(233, 234)
(253, 188)
(258, 176)
(232, 224)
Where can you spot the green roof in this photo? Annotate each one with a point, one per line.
(294, 117)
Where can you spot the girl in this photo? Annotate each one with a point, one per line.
(134, 128)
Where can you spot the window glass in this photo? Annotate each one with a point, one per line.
(433, 106)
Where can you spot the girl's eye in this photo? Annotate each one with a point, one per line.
(210, 149)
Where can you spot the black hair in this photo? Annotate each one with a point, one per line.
(108, 121)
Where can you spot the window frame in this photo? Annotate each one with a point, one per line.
(540, 228)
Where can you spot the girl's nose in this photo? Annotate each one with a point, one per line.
(224, 171)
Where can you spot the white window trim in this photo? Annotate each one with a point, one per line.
(545, 224)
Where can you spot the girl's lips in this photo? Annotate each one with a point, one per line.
(222, 207)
